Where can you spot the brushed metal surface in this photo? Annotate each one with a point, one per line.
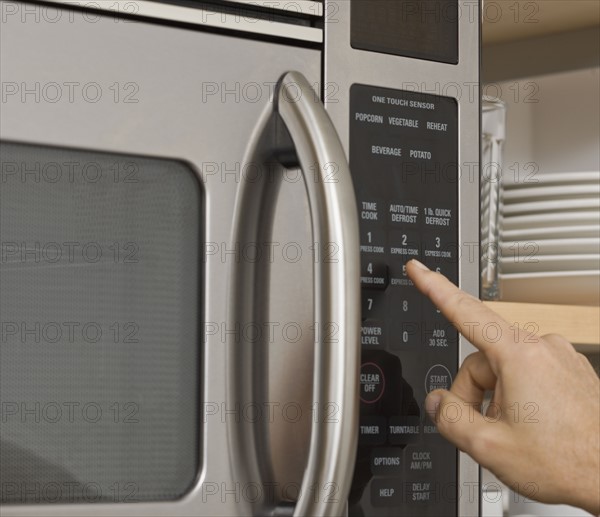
(337, 301)
(333, 395)
(208, 18)
(178, 108)
(345, 66)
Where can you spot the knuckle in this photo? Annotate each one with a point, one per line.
(531, 355)
(461, 299)
(483, 443)
(554, 338)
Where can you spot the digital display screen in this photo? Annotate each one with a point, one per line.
(423, 29)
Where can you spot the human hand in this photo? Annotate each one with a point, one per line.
(541, 433)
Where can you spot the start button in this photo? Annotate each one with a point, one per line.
(438, 377)
(372, 383)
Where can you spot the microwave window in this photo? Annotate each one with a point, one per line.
(99, 310)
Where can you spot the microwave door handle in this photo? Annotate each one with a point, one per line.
(334, 221)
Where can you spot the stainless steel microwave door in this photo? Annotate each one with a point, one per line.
(186, 105)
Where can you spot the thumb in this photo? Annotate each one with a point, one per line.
(458, 421)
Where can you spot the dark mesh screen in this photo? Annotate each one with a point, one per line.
(99, 311)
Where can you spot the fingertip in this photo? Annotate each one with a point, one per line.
(433, 402)
(418, 265)
(460, 423)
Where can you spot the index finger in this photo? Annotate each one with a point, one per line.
(485, 329)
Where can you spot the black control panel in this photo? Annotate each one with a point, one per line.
(404, 162)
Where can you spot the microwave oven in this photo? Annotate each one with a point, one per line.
(205, 210)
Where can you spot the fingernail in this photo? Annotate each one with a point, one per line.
(432, 402)
(419, 265)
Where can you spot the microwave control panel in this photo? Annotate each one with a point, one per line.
(404, 162)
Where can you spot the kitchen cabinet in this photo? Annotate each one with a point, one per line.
(525, 38)
(542, 59)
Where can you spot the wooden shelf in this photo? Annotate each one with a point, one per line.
(579, 324)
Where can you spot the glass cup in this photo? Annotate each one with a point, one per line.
(493, 135)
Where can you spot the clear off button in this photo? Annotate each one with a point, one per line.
(372, 383)
(437, 377)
